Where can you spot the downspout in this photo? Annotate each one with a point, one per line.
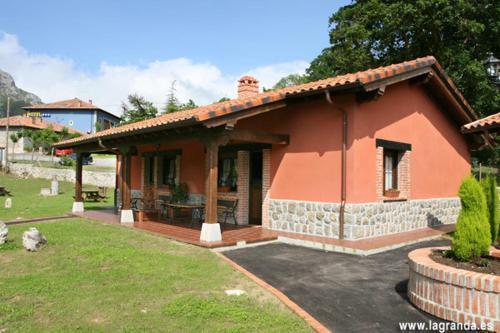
(343, 162)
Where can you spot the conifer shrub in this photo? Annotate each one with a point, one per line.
(489, 185)
(472, 237)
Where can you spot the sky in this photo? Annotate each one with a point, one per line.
(105, 50)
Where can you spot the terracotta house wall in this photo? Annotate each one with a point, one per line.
(192, 164)
(406, 113)
(309, 167)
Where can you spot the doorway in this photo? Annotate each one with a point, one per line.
(255, 204)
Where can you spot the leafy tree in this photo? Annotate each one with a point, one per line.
(459, 33)
(188, 106)
(223, 99)
(291, 80)
(15, 139)
(489, 185)
(173, 104)
(172, 101)
(137, 109)
(472, 237)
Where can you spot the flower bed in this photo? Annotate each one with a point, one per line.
(453, 294)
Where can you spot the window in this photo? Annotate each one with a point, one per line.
(167, 170)
(149, 167)
(227, 173)
(391, 159)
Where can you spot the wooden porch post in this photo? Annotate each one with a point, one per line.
(210, 231)
(211, 191)
(126, 182)
(78, 203)
(126, 214)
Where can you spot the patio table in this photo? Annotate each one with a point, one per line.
(196, 209)
(91, 195)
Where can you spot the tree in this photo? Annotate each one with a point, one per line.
(188, 106)
(137, 109)
(472, 237)
(460, 34)
(291, 80)
(173, 104)
(172, 101)
(223, 99)
(14, 137)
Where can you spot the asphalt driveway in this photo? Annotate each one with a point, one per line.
(346, 293)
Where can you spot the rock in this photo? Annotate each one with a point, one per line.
(8, 88)
(4, 231)
(33, 239)
(45, 191)
(8, 203)
(235, 292)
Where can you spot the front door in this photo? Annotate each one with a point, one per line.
(255, 207)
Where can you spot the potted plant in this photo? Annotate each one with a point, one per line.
(179, 194)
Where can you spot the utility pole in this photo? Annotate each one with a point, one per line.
(6, 159)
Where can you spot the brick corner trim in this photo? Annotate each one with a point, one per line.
(315, 324)
(453, 294)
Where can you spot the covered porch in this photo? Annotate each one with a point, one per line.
(216, 165)
(184, 232)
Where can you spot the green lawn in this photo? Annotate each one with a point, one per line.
(28, 203)
(95, 277)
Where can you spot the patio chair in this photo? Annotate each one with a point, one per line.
(228, 209)
(161, 205)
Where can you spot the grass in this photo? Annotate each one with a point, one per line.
(96, 277)
(28, 203)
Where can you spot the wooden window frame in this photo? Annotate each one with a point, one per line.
(395, 155)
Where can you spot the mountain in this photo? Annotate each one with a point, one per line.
(18, 97)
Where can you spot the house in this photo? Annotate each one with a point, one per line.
(74, 113)
(355, 156)
(19, 123)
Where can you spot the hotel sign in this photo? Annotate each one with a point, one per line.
(37, 115)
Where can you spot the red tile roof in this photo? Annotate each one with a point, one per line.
(74, 103)
(209, 112)
(36, 123)
(482, 124)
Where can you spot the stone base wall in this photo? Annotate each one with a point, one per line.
(361, 220)
(94, 178)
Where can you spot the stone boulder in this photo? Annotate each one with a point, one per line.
(33, 239)
(4, 231)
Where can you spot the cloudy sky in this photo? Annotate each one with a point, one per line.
(104, 50)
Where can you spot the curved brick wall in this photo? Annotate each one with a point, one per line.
(453, 294)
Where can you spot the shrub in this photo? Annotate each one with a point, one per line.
(66, 161)
(493, 211)
(472, 236)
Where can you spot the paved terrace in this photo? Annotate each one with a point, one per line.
(242, 235)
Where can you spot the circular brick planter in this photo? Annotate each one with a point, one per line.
(453, 294)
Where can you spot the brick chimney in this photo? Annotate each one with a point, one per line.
(248, 86)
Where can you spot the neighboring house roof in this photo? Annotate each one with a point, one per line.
(484, 124)
(35, 123)
(367, 81)
(69, 104)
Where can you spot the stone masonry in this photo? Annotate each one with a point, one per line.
(96, 178)
(361, 220)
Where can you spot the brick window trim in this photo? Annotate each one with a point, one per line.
(404, 180)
